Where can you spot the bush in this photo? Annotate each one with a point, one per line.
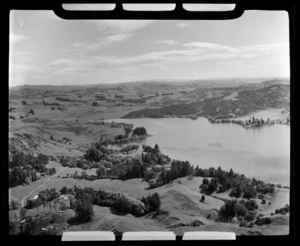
(122, 205)
(243, 224)
(202, 198)
(14, 204)
(249, 192)
(139, 131)
(240, 218)
(267, 221)
(93, 154)
(56, 218)
(240, 209)
(263, 201)
(235, 192)
(149, 174)
(100, 171)
(251, 205)
(83, 206)
(152, 202)
(250, 225)
(227, 211)
(30, 204)
(261, 221)
(250, 216)
(31, 111)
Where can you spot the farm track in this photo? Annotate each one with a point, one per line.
(22, 202)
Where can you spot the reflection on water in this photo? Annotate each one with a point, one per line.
(262, 153)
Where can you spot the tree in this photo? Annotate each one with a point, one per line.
(63, 190)
(31, 111)
(83, 174)
(83, 206)
(202, 198)
(152, 202)
(100, 171)
(22, 213)
(38, 202)
(24, 102)
(156, 148)
(93, 154)
(14, 204)
(139, 131)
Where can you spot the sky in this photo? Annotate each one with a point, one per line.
(45, 49)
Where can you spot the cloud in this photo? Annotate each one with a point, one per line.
(13, 38)
(168, 42)
(195, 52)
(183, 24)
(207, 46)
(103, 42)
(119, 26)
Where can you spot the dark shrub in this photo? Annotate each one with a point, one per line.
(83, 206)
(249, 192)
(250, 216)
(240, 209)
(56, 218)
(149, 174)
(243, 224)
(251, 205)
(152, 202)
(122, 205)
(30, 204)
(93, 154)
(235, 192)
(202, 198)
(139, 131)
(227, 211)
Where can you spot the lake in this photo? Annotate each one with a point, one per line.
(262, 153)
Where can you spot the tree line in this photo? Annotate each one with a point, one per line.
(24, 167)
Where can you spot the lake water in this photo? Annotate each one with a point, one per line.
(262, 153)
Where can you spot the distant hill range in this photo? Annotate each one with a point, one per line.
(158, 99)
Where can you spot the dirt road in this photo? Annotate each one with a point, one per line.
(23, 200)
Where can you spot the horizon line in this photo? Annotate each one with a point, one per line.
(158, 80)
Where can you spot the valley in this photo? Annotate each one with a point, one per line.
(88, 137)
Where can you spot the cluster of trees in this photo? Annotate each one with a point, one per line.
(152, 203)
(256, 121)
(13, 204)
(134, 170)
(96, 153)
(222, 181)
(178, 169)
(23, 167)
(154, 156)
(129, 147)
(83, 206)
(52, 104)
(244, 211)
(64, 99)
(118, 201)
(284, 210)
(139, 131)
(47, 198)
(173, 110)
